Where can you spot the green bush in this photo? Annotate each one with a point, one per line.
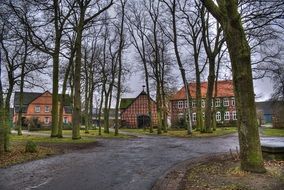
(31, 147)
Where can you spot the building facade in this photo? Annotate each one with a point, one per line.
(37, 107)
(134, 111)
(224, 103)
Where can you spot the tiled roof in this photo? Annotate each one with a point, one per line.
(28, 97)
(125, 102)
(224, 89)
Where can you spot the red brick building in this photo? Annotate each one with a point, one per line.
(38, 106)
(224, 103)
(134, 111)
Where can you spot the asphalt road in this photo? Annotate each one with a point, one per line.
(115, 164)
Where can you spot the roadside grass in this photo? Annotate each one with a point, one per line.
(183, 133)
(18, 155)
(92, 133)
(47, 139)
(273, 132)
(225, 173)
(47, 146)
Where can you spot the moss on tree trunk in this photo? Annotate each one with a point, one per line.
(250, 151)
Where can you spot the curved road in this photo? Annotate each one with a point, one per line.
(115, 164)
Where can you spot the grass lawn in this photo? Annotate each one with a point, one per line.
(183, 132)
(273, 132)
(47, 139)
(92, 133)
(47, 146)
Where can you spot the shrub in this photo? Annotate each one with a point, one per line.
(31, 147)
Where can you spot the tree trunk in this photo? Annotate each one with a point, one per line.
(239, 50)
(76, 116)
(100, 111)
(63, 96)
(86, 110)
(209, 95)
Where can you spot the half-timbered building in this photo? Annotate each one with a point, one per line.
(134, 111)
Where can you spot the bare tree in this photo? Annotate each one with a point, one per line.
(226, 13)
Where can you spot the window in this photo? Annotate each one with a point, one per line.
(193, 116)
(37, 109)
(65, 120)
(46, 109)
(218, 116)
(46, 120)
(203, 103)
(227, 116)
(233, 101)
(185, 104)
(234, 115)
(180, 104)
(226, 102)
(217, 102)
(193, 103)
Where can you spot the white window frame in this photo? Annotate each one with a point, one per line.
(193, 103)
(46, 120)
(234, 115)
(227, 116)
(193, 116)
(46, 109)
(185, 104)
(65, 120)
(218, 116)
(226, 102)
(37, 109)
(233, 101)
(203, 103)
(180, 104)
(217, 102)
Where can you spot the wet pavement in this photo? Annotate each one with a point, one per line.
(120, 164)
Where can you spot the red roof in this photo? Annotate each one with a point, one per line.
(224, 89)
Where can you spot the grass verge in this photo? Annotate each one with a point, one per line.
(273, 132)
(92, 133)
(183, 133)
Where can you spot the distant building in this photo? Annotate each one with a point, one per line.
(95, 116)
(38, 106)
(271, 112)
(134, 111)
(224, 103)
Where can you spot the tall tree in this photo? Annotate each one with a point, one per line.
(136, 22)
(172, 6)
(120, 52)
(226, 13)
(84, 18)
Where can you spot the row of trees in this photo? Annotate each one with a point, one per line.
(84, 42)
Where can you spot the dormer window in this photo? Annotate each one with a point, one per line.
(37, 109)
